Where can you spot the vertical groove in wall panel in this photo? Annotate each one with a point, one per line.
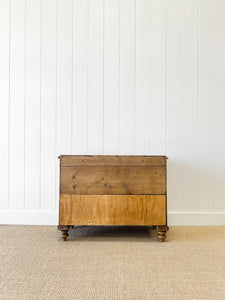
(142, 77)
(56, 112)
(103, 77)
(17, 101)
(196, 107)
(135, 50)
(158, 77)
(64, 76)
(205, 106)
(95, 77)
(119, 86)
(48, 106)
(72, 98)
(4, 96)
(32, 105)
(111, 76)
(174, 104)
(219, 93)
(213, 102)
(189, 96)
(80, 44)
(127, 52)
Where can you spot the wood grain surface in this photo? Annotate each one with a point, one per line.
(88, 160)
(111, 180)
(112, 210)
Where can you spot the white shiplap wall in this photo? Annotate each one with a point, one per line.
(112, 77)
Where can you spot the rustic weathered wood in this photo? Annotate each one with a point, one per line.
(100, 160)
(113, 180)
(112, 210)
(64, 231)
(162, 232)
(113, 190)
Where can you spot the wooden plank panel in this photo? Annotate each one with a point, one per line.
(158, 77)
(4, 96)
(33, 105)
(48, 107)
(112, 210)
(205, 107)
(89, 160)
(127, 76)
(17, 102)
(80, 77)
(189, 107)
(142, 77)
(219, 107)
(95, 77)
(113, 180)
(111, 77)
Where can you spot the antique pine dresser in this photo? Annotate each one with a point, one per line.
(113, 190)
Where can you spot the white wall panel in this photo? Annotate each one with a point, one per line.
(17, 104)
(158, 76)
(48, 153)
(64, 76)
(95, 77)
(205, 106)
(33, 104)
(189, 105)
(64, 73)
(127, 76)
(219, 105)
(174, 103)
(4, 96)
(112, 77)
(80, 76)
(142, 78)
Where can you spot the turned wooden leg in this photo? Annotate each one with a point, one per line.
(162, 232)
(64, 231)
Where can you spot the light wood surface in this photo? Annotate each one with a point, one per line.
(111, 180)
(112, 210)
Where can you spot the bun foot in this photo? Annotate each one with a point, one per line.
(162, 232)
(64, 231)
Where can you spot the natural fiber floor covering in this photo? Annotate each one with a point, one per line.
(111, 263)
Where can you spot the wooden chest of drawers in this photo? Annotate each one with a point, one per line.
(113, 190)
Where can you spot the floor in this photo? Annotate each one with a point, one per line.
(111, 263)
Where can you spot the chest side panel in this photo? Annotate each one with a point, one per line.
(113, 180)
(112, 210)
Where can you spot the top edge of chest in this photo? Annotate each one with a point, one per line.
(111, 160)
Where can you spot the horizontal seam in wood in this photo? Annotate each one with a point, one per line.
(119, 165)
(66, 194)
(125, 156)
